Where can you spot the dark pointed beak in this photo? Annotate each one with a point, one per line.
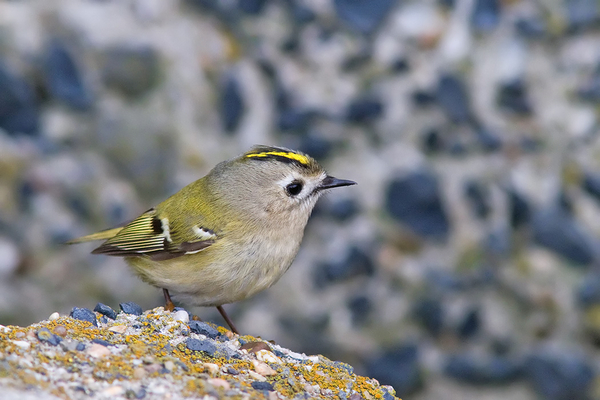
(331, 182)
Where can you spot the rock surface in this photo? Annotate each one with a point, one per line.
(152, 355)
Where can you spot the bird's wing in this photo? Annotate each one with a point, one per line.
(155, 236)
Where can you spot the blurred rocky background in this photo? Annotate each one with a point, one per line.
(465, 263)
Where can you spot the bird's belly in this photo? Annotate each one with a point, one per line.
(197, 279)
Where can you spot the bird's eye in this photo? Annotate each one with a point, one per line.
(294, 188)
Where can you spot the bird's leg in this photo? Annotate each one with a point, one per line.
(228, 320)
(169, 306)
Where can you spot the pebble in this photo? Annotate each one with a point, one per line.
(118, 328)
(262, 368)
(131, 308)
(139, 373)
(256, 376)
(169, 365)
(97, 350)
(212, 369)
(22, 344)
(44, 335)
(84, 314)
(267, 356)
(54, 316)
(71, 345)
(260, 385)
(416, 201)
(201, 345)
(181, 316)
(60, 330)
(202, 328)
(218, 382)
(470, 369)
(113, 391)
(105, 310)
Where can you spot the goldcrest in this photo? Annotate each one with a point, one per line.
(228, 235)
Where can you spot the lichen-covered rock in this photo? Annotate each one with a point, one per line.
(152, 354)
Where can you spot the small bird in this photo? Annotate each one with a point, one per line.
(228, 235)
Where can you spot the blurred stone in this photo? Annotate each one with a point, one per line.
(531, 28)
(131, 308)
(452, 96)
(582, 14)
(432, 141)
(342, 209)
(232, 104)
(591, 184)
(360, 306)
(133, 71)
(498, 243)
(519, 209)
(470, 324)
(423, 98)
(478, 197)
(486, 15)
(18, 104)
(10, 257)
(317, 146)
(309, 331)
(298, 120)
(84, 314)
(591, 323)
(512, 96)
(301, 13)
(479, 371)
(400, 65)
(252, 7)
(559, 232)
(63, 79)
(416, 200)
(487, 139)
(105, 310)
(356, 263)
(364, 110)
(588, 293)
(429, 312)
(558, 376)
(398, 367)
(363, 15)
(590, 89)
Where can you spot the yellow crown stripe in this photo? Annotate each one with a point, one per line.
(287, 154)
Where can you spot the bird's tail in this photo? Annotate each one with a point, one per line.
(102, 235)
